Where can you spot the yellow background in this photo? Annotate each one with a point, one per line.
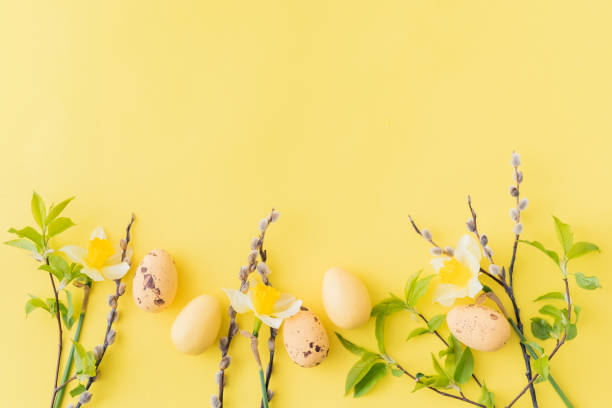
(346, 116)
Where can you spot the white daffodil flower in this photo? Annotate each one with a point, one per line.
(268, 304)
(459, 273)
(101, 259)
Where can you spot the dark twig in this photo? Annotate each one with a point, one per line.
(109, 336)
(61, 340)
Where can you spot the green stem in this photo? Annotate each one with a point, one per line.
(264, 393)
(534, 355)
(256, 327)
(77, 334)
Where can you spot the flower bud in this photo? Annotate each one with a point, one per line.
(110, 337)
(223, 343)
(274, 216)
(85, 397)
(426, 234)
(121, 289)
(255, 243)
(263, 269)
(484, 240)
(112, 301)
(436, 251)
(471, 225)
(271, 344)
(514, 192)
(516, 160)
(112, 316)
(123, 244)
(252, 256)
(518, 228)
(214, 402)
(263, 224)
(225, 362)
(522, 205)
(219, 379)
(270, 395)
(488, 251)
(449, 251)
(233, 328)
(494, 270)
(514, 214)
(71, 405)
(231, 312)
(518, 176)
(244, 273)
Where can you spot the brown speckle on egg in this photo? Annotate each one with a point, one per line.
(305, 339)
(155, 285)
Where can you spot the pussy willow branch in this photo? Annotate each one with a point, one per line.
(119, 291)
(245, 271)
(61, 340)
(273, 332)
(460, 397)
(510, 293)
(557, 346)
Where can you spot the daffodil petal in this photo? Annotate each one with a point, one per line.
(445, 294)
(240, 302)
(284, 301)
(274, 322)
(474, 286)
(116, 271)
(98, 233)
(75, 253)
(438, 262)
(290, 310)
(94, 274)
(468, 244)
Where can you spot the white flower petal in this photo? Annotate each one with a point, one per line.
(240, 302)
(468, 244)
(445, 294)
(438, 262)
(289, 311)
(94, 274)
(284, 301)
(474, 286)
(75, 253)
(274, 322)
(98, 233)
(116, 271)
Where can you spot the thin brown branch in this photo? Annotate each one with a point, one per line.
(60, 331)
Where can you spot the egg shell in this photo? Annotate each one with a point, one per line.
(478, 327)
(155, 281)
(305, 339)
(345, 298)
(196, 327)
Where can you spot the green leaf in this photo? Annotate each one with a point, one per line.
(38, 209)
(34, 303)
(417, 332)
(587, 282)
(58, 274)
(552, 311)
(59, 264)
(23, 244)
(557, 329)
(453, 354)
(551, 254)
(465, 367)
(540, 328)
(581, 248)
(486, 397)
(397, 372)
(541, 367)
(352, 347)
(577, 310)
(424, 381)
(437, 366)
(535, 347)
(388, 306)
(572, 331)
(419, 290)
(84, 362)
(56, 210)
(79, 389)
(68, 315)
(59, 225)
(380, 332)
(29, 233)
(551, 295)
(435, 322)
(376, 373)
(53, 308)
(359, 370)
(410, 285)
(564, 234)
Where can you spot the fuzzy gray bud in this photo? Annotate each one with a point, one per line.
(233, 328)
(219, 379)
(471, 225)
(225, 362)
(516, 160)
(494, 269)
(112, 301)
(263, 269)
(252, 257)
(85, 397)
(244, 273)
(274, 216)
(71, 405)
(436, 251)
(113, 314)
(121, 289)
(518, 228)
(522, 205)
(518, 176)
(223, 343)
(449, 251)
(214, 402)
(514, 192)
(255, 243)
(263, 224)
(484, 240)
(98, 352)
(110, 337)
(426, 234)
(231, 312)
(514, 214)
(270, 395)
(271, 344)
(488, 251)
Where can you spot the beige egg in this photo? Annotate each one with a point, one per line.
(196, 327)
(345, 298)
(478, 327)
(305, 339)
(155, 281)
